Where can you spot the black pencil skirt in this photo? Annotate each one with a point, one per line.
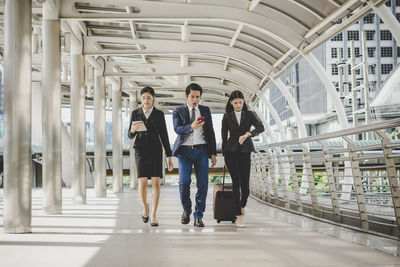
(148, 163)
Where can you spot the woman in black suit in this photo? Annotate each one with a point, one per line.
(237, 121)
(148, 150)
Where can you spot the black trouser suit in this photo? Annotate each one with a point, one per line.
(237, 156)
(238, 164)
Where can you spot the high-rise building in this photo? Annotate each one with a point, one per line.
(382, 48)
(309, 92)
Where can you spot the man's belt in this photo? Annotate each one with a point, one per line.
(194, 146)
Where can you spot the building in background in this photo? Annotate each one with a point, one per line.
(309, 92)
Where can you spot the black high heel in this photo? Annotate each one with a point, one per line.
(146, 219)
(153, 223)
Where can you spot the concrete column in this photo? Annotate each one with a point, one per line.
(35, 39)
(133, 104)
(51, 109)
(17, 117)
(78, 184)
(64, 73)
(99, 132)
(117, 135)
(36, 132)
(89, 81)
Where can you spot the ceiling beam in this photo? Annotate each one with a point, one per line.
(134, 32)
(245, 83)
(171, 47)
(205, 85)
(307, 8)
(253, 5)
(236, 35)
(357, 15)
(167, 11)
(331, 18)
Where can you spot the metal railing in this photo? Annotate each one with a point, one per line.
(334, 177)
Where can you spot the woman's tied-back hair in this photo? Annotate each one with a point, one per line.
(149, 90)
(234, 95)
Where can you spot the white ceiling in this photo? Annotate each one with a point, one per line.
(223, 45)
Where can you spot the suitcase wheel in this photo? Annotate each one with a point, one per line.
(233, 220)
(218, 220)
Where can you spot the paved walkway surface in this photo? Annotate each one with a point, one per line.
(109, 232)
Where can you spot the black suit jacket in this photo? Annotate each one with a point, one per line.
(156, 131)
(229, 123)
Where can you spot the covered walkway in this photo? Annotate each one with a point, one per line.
(109, 232)
(325, 173)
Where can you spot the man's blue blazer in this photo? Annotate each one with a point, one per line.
(182, 123)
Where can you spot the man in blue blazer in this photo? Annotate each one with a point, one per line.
(193, 146)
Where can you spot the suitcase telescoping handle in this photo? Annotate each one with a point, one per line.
(223, 180)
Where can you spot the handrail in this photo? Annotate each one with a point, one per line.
(358, 187)
(356, 130)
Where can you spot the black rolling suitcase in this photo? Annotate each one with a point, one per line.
(223, 202)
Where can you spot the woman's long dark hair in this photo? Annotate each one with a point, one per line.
(234, 95)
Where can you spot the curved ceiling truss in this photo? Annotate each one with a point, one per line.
(224, 44)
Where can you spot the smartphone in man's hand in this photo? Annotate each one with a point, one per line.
(200, 119)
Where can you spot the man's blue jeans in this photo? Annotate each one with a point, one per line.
(188, 157)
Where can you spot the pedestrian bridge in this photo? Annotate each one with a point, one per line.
(347, 219)
(109, 232)
(321, 75)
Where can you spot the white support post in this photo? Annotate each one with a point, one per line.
(276, 117)
(307, 170)
(354, 103)
(366, 82)
(341, 67)
(271, 172)
(330, 89)
(283, 178)
(51, 109)
(100, 184)
(89, 81)
(17, 117)
(293, 106)
(389, 19)
(35, 39)
(117, 135)
(262, 163)
(78, 128)
(327, 155)
(133, 104)
(269, 133)
(295, 180)
(357, 183)
(392, 176)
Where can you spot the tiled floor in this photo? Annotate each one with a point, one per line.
(109, 232)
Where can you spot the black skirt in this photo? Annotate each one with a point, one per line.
(148, 163)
